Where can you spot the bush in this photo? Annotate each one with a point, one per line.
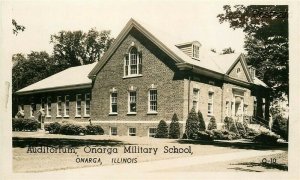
(72, 129)
(202, 126)
(184, 136)
(204, 135)
(281, 126)
(19, 124)
(191, 124)
(212, 124)
(162, 130)
(94, 130)
(252, 133)
(241, 129)
(266, 138)
(53, 128)
(174, 131)
(224, 135)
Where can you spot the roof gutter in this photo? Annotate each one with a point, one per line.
(62, 88)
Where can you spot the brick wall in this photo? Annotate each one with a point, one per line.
(158, 69)
(26, 100)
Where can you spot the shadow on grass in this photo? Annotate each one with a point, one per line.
(282, 167)
(61, 142)
(236, 145)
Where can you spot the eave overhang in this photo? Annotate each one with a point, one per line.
(54, 89)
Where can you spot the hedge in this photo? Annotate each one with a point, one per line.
(94, 130)
(20, 124)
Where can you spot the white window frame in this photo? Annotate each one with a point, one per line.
(59, 100)
(128, 63)
(48, 113)
(210, 103)
(151, 111)
(151, 134)
(196, 98)
(130, 133)
(129, 101)
(113, 103)
(67, 101)
(111, 130)
(195, 49)
(85, 106)
(78, 100)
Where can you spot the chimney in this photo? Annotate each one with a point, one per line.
(191, 49)
(252, 71)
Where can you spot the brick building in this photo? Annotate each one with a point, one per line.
(144, 78)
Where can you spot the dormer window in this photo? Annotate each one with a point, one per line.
(196, 51)
(133, 63)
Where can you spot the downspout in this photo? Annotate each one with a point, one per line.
(189, 88)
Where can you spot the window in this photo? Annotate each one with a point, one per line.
(67, 106)
(42, 102)
(87, 104)
(210, 103)
(113, 131)
(238, 72)
(255, 108)
(152, 132)
(132, 102)
(133, 63)
(48, 107)
(59, 106)
(227, 109)
(152, 100)
(78, 105)
(195, 51)
(195, 98)
(114, 102)
(132, 131)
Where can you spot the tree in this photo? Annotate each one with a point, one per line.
(212, 124)
(28, 70)
(191, 127)
(17, 27)
(74, 48)
(162, 130)
(201, 122)
(266, 41)
(174, 132)
(227, 51)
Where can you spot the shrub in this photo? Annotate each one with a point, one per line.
(232, 126)
(204, 135)
(94, 130)
(252, 133)
(162, 130)
(202, 126)
(184, 136)
(53, 128)
(174, 131)
(241, 129)
(281, 126)
(72, 129)
(19, 124)
(191, 124)
(227, 123)
(212, 124)
(266, 138)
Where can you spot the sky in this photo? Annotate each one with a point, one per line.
(183, 20)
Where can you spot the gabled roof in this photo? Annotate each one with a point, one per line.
(71, 78)
(209, 61)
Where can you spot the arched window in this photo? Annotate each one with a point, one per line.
(238, 72)
(133, 63)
